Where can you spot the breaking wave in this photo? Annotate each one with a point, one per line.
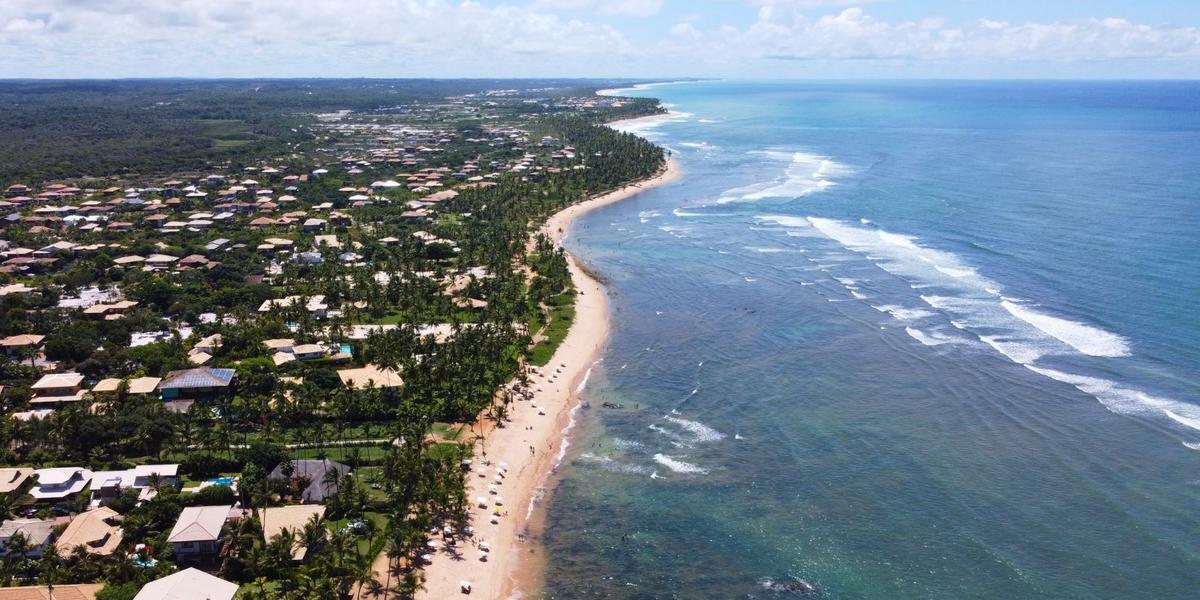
(700, 432)
(677, 465)
(805, 174)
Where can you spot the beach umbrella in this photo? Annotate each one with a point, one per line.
(483, 557)
(427, 558)
(499, 501)
(482, 502)
(465, 586)
(431, 544)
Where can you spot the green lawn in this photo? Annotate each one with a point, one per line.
(366, 545)
(228, 133)
(561, 318)
(447, 431)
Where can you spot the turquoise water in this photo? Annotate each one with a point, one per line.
(899, 340)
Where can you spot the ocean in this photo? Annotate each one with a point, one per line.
(927, 340)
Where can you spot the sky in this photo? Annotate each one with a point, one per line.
(648, 39)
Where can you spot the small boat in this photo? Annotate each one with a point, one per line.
(613, 405)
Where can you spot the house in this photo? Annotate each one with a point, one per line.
(97, 531)
(36, 531)
(369, 376)
(13, 480)
(197, 533)
(308, 351)
(142, 386)
(280, 345)
(107, 388)
(208, 345)
(56, 388)
(314, 225)
(315, 305)
(188, 584)
(79, 591)
(109, 485)
(278, 519)
(59, 482)
(16, 289)
(317, 474)
(18, 345)
(200, 383)
(109, 312)
(158, 262)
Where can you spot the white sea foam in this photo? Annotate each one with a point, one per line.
(971, 299)
(646, 127)
(858, 295)
(625, 444)
(1192, 445)
(706, 121)
(1084, 338)
(677, 465)
(901, 313)
(1127, 401)
(925, 338)
(698, 145)
(700, 432)
(638, 87)
(785, 220)
(586, 376)
(615, 466)
(766, 250)
(566, 430)
(805, 174)
(675, 230)
(646, 215)
(1015, 350)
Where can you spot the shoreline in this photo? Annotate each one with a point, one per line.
(533, 444)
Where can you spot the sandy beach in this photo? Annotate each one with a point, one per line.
(532, 443)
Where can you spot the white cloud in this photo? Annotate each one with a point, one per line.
(852, 34)
(398, 38)
(628, 8)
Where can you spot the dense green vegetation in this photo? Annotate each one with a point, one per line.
(492, 292)
(77, 129)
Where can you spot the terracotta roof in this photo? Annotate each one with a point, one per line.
(12, 479)
(85, 591)
(97, 531)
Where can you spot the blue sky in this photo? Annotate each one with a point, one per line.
(601, 38)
